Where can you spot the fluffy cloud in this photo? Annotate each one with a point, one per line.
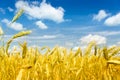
(2, 11)
(16, 26)
(98, 39)
(41, 25)
(10, 9)
(42, 11)
(48, 37)
(113, 20)
(38, 39)
(106, 33)
(101, 15)
(35, 2)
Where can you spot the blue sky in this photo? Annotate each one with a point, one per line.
(63, 22)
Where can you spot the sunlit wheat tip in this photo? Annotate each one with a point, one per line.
(22, 33)
(19, 13)
(1, 31)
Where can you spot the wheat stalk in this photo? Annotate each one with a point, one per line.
(1, 31)
(78, 52)
(16, 17)
(23, 69)
(105, 53)
(113, 62)
(24, 49)
(88, 49)
(22, 33)
(114, 52)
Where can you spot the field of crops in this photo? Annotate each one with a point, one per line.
(59, 63)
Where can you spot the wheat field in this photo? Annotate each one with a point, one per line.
(60, 64)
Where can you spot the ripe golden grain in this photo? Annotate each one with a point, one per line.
(1, 31)
(22, 33)
(16, 17)
(113, 62)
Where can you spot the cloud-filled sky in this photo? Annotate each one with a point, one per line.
(68, 23)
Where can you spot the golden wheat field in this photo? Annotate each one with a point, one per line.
(60, 64)
(94, 63)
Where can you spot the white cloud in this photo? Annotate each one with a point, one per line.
(117, 44)
(98, 39)
(69, 44)
(42, 11)
(16, 26)
(75, 48)
(48, 37)
(41, 25)
(41, 37)
(35, 2)
(10, 9)
(101, 15)
(107, 33)
(113, 20)
(2, 10)
(34, 39)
